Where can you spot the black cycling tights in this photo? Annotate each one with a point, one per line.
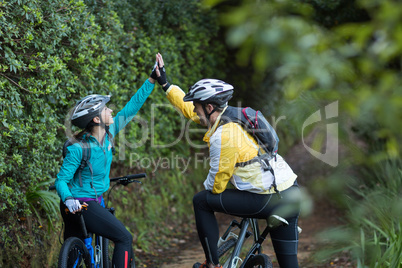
(247, 204)
(100, 221)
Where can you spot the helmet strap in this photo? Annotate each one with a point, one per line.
(101, 123)
(110, 137)
(208, 115)
(205, 112)
(93, 124)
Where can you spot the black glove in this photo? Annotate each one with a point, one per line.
(153, 74)
(162, 79)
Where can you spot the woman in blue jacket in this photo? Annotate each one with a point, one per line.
(98, 129)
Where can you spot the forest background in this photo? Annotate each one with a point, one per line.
(294, 60)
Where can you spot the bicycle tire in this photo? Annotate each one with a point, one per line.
(132, 260)
(226, 249)
(74, 253)
(226, 246)
(107, 253)
(259, 261)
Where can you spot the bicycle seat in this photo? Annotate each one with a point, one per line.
(275, 221)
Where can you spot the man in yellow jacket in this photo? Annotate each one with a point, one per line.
(253, 194)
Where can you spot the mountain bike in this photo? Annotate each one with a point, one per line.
(231, 248)
(89, 252)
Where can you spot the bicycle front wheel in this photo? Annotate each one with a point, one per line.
(132, 260)
(225, 251)
(107, 253)
(73, 253)
(259, 261)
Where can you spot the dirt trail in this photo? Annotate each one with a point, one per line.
(323, 216)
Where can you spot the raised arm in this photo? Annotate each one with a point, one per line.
(134, 105)
(174, 93)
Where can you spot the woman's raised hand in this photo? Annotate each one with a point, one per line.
(160, 70)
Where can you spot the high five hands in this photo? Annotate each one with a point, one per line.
(159, 73)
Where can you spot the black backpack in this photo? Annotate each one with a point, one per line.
(255, 123)
(86, 155)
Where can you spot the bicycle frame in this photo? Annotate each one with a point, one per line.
(243, 235)
(256, 248)
(94, 253)
(234, 259)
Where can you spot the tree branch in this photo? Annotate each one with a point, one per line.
(15, 83)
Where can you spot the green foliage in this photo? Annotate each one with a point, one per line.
(356, 63)
(153, 209)
(53, 53)
(373, 234)
(335, 12)
(319, 52)
(48, 201)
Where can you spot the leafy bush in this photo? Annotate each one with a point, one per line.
(320, 52)
(373, 233)
(154, 210)
(52, 53)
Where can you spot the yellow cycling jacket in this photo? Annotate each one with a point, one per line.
(228, 145)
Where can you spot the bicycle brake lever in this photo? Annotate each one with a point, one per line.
(78, 212)
(123, 182)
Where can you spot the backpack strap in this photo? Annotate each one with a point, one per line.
(263, 160)
(265, 163)
(86, 155)
(253, 126)
(233, 114)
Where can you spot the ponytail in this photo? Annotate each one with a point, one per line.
(88, 129)
(110, 138)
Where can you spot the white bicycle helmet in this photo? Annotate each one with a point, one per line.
(211, 91)
(88, 108)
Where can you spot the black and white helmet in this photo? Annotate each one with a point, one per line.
(88, 108)
(210, 91)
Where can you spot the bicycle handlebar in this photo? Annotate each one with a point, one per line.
(130, 177)
(120, 180)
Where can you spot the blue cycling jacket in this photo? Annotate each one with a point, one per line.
(101, 155)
